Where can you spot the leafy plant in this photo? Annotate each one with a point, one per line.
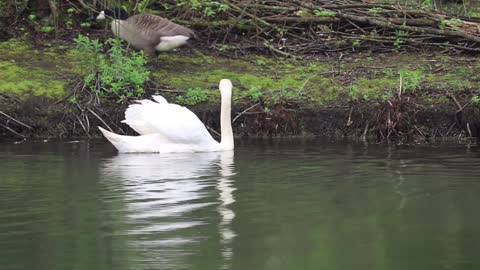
(209, 8)
(356, 44)
(85, 25)
(475, 100)
(47, 29)
(324, 13)
(400, 38)
(427, 3)
(260, 62)
(255, 94)
(118, 73)
(375, 11)
(354, 92)
(453, 23)
(193, 96)
(411, 79)
(141, 6)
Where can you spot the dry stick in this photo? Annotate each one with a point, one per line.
(13, 131)
(83, 126)
(302, 19)
(8, 116)
(390, 25)
(468, 129)
(400, 87)
(99, 118)
(246, 110)
(236, 21)
(387, 24)
(349, 121)
(247, 13)
(269, 7)
(419, 131)
(450, 129)
(214, 131)
(364, 135)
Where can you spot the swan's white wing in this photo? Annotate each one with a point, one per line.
(175, 123)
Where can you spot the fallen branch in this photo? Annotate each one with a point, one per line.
(13, 131)
(15, 120)
(99, 118)
(245, 111)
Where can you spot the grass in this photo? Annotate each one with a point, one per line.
(363, 77)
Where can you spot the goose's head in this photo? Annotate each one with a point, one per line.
(115, 13)
(225, 87)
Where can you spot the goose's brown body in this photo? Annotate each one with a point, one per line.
(150, 32)
(146, 32)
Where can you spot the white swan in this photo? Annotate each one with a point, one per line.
(167, 128)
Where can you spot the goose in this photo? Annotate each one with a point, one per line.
(147, 32)
(167, 128)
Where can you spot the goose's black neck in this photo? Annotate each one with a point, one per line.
(117, 13)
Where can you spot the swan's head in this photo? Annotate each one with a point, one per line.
(225, 87)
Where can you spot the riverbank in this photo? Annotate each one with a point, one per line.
(395, 96)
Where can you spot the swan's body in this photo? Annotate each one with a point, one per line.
(167, 128)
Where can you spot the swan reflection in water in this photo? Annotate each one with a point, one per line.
(162, 196)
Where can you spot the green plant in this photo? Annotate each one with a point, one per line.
(282, 95)
(260, 62)
(400, 38)
(47, 29)
(356, 44)
(71, 10)
(85, 25)
(209, 8)
(69, 23)
(141, 6)
(375, 11)
(353, 92)
(427, 4)
(388, 72)
(118, 73)
(475, 100)
(324, 13)
(453, 23)
(255, 93)
(411, 79)
(193, 96)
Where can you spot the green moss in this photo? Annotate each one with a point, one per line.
(375, 89)
(448, 81)
(26, 71)
(273, 79)
(23, 82)
(14, 46)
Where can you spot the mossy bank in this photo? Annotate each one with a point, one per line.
(394, 96)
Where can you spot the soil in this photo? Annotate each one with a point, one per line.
(441, 107)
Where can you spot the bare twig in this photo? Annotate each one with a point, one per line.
(99, 118)
(245, 111)
(17, 121)
(13, 131)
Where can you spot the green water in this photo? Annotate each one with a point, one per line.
(290, 205)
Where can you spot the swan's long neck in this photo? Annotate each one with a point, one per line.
(226, 142)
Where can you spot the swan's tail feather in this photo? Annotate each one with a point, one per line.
(117, 140)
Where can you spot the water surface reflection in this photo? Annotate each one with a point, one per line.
(164, 197)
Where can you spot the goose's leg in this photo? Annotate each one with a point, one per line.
(153, 64)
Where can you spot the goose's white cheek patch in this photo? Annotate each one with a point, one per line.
(101, 16)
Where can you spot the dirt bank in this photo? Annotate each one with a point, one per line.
(394, 96)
